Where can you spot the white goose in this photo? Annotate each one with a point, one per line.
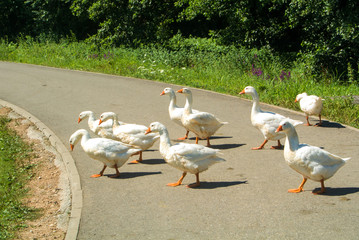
(132, 134)
(104, 130)
(203, 124)
(266, 122)
(186, 157)
(111, 153)
(175, 112)
(310, 105)
(310, 161)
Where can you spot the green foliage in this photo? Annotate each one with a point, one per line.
(326, 33)
(329, 31)
(14, 171)
(183, 61)
(15, 17)
(128, 23)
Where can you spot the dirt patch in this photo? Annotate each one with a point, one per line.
(47, 191)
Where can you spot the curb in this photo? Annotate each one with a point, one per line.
(69, 163)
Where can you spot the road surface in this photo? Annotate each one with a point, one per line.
(243, 198)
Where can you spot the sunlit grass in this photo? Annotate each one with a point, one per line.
(15, 170)
(224, 69)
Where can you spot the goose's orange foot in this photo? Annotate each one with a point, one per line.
(257, 148)
(193, 185)
(173, 184)
(96, 175)
(182, 138)
(136, 161)
(298, 190)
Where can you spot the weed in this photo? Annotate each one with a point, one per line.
(15, 169)
(200, 63)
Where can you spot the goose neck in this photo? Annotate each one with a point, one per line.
(91, 117)
(188, 105)
(255, 107)
(115, 121)
(173, 101)
(292, 140)
(85, 136)
(165, 142)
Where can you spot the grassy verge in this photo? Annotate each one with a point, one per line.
(15, 169)
(202, 64)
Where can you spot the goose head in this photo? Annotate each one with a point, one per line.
(248, 90)
(284, 126)
(155, 127)
(76, 137)
(83, 115)
(185, 91)
(105, 116)
(300, 96)
(167, 91)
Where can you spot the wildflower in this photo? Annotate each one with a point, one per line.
(284, 74)
(256, 71)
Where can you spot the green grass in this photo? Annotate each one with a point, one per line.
(202, 64)
(15, 170)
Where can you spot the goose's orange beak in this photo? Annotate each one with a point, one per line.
(180, 91)
(71, 147)
(295, 100)
(280, 128)
(162, 93)
(242, 92)
(100, 121)
(148, 131)
(78, 121)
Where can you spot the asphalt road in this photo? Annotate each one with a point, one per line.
(243, 198)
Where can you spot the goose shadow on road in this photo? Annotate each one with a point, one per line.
(216, 146)
(214, 185)
(327, 124)
(128, 175)
(338, 191)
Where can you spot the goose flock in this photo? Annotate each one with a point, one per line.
(117, 141)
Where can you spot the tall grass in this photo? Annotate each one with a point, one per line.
(201, 63)
(15, 169)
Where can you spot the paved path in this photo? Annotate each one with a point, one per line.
(244, 198)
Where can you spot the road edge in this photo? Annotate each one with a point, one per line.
(69, 163)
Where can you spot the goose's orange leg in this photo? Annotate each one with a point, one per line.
(193, 185)
(308, 124)
(208, 144)
(261, 146)
(279, 146)
(100, 174)
(322, 188)
(320, 121)
(185, 137)
(197, 140)
(139, 159)
(117, 173)
(300, 188)
(179, 182)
